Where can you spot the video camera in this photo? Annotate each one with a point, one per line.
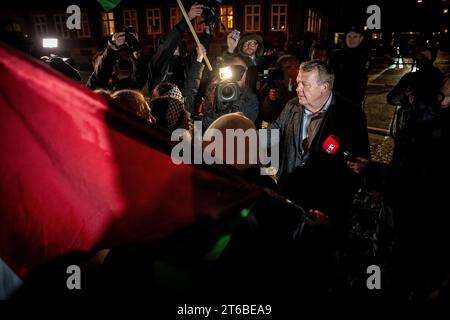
(228, 89)
(211, 10)
(270, 76)
(132, 43)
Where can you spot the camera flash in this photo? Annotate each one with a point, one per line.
(225, 73)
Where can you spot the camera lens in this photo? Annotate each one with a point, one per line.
(227, 92)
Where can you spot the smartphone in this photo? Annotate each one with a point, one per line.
(235, 34)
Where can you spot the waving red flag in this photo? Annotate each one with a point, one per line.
(75, 175)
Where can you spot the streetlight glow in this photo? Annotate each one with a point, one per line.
(50, 43)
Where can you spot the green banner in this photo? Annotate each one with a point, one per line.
(109, 4)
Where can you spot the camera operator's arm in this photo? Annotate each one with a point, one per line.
(192, 81)
(103, 69)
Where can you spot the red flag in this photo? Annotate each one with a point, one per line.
(75, 175)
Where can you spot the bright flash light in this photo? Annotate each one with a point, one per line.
(225, 73)
(50, 43)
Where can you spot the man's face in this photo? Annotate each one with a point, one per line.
(310, 92)
(319, 54)
(445, 94)
(239, 62)
(354, 39)
(250, 47)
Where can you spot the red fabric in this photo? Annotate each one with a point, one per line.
(70, 180)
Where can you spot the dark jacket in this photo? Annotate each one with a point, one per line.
(270, 110)
(247, 104)
(103, 72)
(351, 68)
(322, 181)
(342, 119)
(191, 86)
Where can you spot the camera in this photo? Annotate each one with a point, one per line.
(228, 89)
(270, 76)
(132, 42)
(210, 11)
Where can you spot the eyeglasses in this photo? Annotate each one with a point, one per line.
(251, 43)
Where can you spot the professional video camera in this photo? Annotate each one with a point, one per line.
(132, 43)
(228, 89)
(270, 76)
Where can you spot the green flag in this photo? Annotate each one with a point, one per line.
(109, 4)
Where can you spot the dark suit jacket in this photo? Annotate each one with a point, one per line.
(322, 181)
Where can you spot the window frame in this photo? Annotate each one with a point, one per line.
(39, 26)
(226, 15)
(278, 16)
(153, 17)
(131, 18)
(84, 33)
(252, 14)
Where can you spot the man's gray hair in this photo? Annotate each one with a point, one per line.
(326, 74)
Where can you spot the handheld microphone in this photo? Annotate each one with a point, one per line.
(333, 146)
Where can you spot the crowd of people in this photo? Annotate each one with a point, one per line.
(307, 101)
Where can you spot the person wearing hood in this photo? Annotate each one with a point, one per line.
(351, 66)
(250, 47)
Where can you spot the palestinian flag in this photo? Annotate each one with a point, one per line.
(76, 175)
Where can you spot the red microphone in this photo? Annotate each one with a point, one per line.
(332, 145)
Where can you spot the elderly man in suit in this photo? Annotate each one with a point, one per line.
(319, 181)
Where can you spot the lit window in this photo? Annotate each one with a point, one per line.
(252, 18)
(226, 18)
(40, 24)
(85, 31)
(154, 21)
(130, 19)
(108, 23)
(279, 15)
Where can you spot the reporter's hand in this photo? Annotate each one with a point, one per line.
(195, 11)
(136, 54)
(316, 218)
(358, 165)
(231, 43)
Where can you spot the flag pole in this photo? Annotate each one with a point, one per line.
(194, 34)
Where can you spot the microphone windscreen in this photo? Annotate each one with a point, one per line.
(331, 145)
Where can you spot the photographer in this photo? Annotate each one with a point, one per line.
(230, 95)
(171, 62)
(250, 47)
(279, 88)
(106, 72)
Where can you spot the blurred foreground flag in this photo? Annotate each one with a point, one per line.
(76, 175)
